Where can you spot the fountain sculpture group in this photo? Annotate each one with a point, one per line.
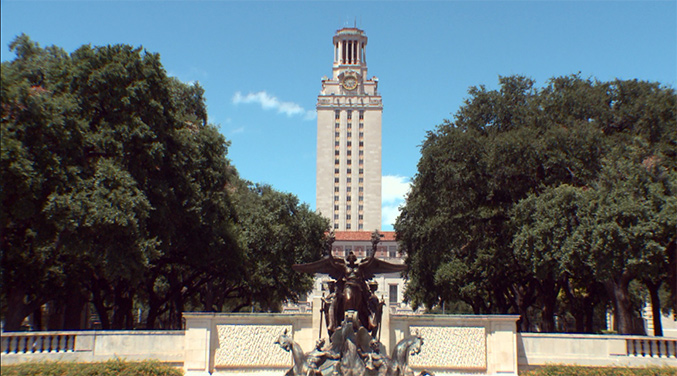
(352, 315)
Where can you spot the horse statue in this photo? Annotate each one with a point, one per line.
(399, 365)
(299, 357)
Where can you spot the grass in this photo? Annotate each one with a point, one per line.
(558, 370)
(110, 368)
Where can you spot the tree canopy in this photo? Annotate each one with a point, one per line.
(116, 192)
(546, 202)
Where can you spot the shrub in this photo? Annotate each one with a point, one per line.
(558, 370)
(110, 368)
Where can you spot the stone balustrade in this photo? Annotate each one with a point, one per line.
(37, 342)
(652, 347)
(224, 344)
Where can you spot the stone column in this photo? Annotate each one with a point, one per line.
(502, 347)
(198, 345)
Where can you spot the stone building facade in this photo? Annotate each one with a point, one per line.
(349, 108)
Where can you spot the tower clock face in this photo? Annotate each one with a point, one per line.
(350, 82)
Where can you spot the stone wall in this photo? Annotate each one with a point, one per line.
(93, 346)
(225, 344)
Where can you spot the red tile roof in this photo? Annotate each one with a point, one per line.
(388, 236)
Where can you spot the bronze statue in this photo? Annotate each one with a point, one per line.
(352, 292)
(353, 317)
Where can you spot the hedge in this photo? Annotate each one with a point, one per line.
(109, 368)
(558, 370)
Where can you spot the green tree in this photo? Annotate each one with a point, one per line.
(116, 191)
(484, 222)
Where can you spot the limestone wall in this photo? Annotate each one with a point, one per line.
(538, 349)
(228, 344)
(93, 346)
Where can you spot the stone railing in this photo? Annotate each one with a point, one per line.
(92, 346)
(652, 347)
(539, 349)
(235, 343)
(37, 342)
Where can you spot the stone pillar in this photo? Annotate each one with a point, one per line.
(502, 347)
(385, 334)
(198, 347)
(318, 319)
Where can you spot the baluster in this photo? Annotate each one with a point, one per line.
(655, 351)
(12, 345)
(62, 343)
(34, 343)
(72, 343)
(643, 347)
(23, 341)
(41, 344)
(50, 343)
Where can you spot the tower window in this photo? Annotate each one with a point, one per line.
(350, 115)
(336, 171)
(337, 134)
(347, 226)
(337, 115)
(351, 144)
(350, 134)
(350, 161)
(336, 161)
(349, 152)
(336, 143)
(347, 189)
(348, 179)
(335, 198)
(336, 180)
(361, 125)
(361, 115)
(335, 225)
(336, 189)
(350, 171)
(336, 125)
(349, 125)
(336, 152)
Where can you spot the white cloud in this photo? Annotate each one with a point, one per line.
(269, 102)
(393, 191)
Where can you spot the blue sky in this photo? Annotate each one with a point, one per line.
(261, 62)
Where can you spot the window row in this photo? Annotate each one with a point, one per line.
(349, 114)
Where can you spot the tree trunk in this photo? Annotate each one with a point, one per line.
(620, 296)
(549, 291)
(655, 307)
(17, 309)
(99, 303)
(75, 304)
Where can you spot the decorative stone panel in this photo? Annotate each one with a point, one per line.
(451, 348)
(251, 346)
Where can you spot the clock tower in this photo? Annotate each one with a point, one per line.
(349, 109)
